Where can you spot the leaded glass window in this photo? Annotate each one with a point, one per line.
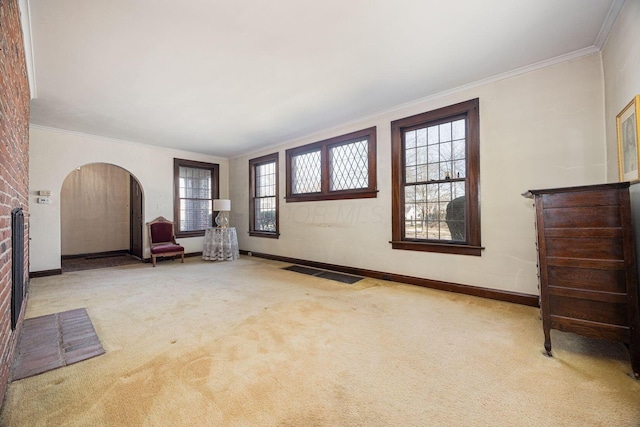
(306, 171)
(196, 186)
(343, 167)
(349, 165)
(264, 196)
(435, 170)
(434, 158)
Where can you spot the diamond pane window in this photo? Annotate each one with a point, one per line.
(263, 189)
(435, 172)
(196, 185)
(349, 166)
(307, 173)
(343, 167)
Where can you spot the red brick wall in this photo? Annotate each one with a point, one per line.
(14, 165)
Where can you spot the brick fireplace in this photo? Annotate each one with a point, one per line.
(14, 176)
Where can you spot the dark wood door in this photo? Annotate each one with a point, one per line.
(135, 218)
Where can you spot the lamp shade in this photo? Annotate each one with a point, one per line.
(221, 204)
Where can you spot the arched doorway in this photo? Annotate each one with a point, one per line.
(101, 217)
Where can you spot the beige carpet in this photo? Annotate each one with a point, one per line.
(245, 343)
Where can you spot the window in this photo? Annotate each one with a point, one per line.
(263, 200)
(436, 180)
(343, 167)
(196, 184)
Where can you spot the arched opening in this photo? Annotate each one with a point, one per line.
(101, 218)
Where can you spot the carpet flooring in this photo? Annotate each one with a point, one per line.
(246, 343)
(53, 341)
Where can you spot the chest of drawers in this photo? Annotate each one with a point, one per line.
(587, 264)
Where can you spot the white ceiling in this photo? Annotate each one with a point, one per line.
(229, 77)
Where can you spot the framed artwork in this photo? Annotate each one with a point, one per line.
(627, 131)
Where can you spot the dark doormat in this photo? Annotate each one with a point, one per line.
(53, 341)
(97, 261)
(331, 275)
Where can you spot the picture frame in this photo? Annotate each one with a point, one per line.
(627, 129)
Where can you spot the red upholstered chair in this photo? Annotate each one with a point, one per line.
(162, 239)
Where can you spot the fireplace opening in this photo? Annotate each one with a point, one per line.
(17, 264)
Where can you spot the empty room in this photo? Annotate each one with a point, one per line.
(319, 213)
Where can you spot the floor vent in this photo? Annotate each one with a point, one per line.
(330, 275)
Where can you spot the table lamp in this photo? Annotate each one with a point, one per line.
(222, 206)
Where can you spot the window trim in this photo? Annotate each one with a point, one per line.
(215, 192)
(471, 110)
(326, 194)
(253, 163)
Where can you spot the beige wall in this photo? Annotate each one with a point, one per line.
(545, 128)
(621, 65)
(94, 210)
(54, 154)
(537, 130)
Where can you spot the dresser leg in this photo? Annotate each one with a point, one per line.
(547, 341)
(635, 362)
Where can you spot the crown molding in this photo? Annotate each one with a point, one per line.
(608, 23)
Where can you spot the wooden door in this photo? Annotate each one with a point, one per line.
(135, 218)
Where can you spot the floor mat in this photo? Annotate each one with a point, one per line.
(93, 262)
(330, 275)
(53, 341)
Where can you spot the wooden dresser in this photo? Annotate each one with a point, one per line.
(587, 264)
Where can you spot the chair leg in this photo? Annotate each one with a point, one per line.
(153, 260)
(182, 256)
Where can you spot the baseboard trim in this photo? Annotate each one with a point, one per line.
(45, 273)
(495, 294)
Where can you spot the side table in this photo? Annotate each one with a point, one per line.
(220, 244)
